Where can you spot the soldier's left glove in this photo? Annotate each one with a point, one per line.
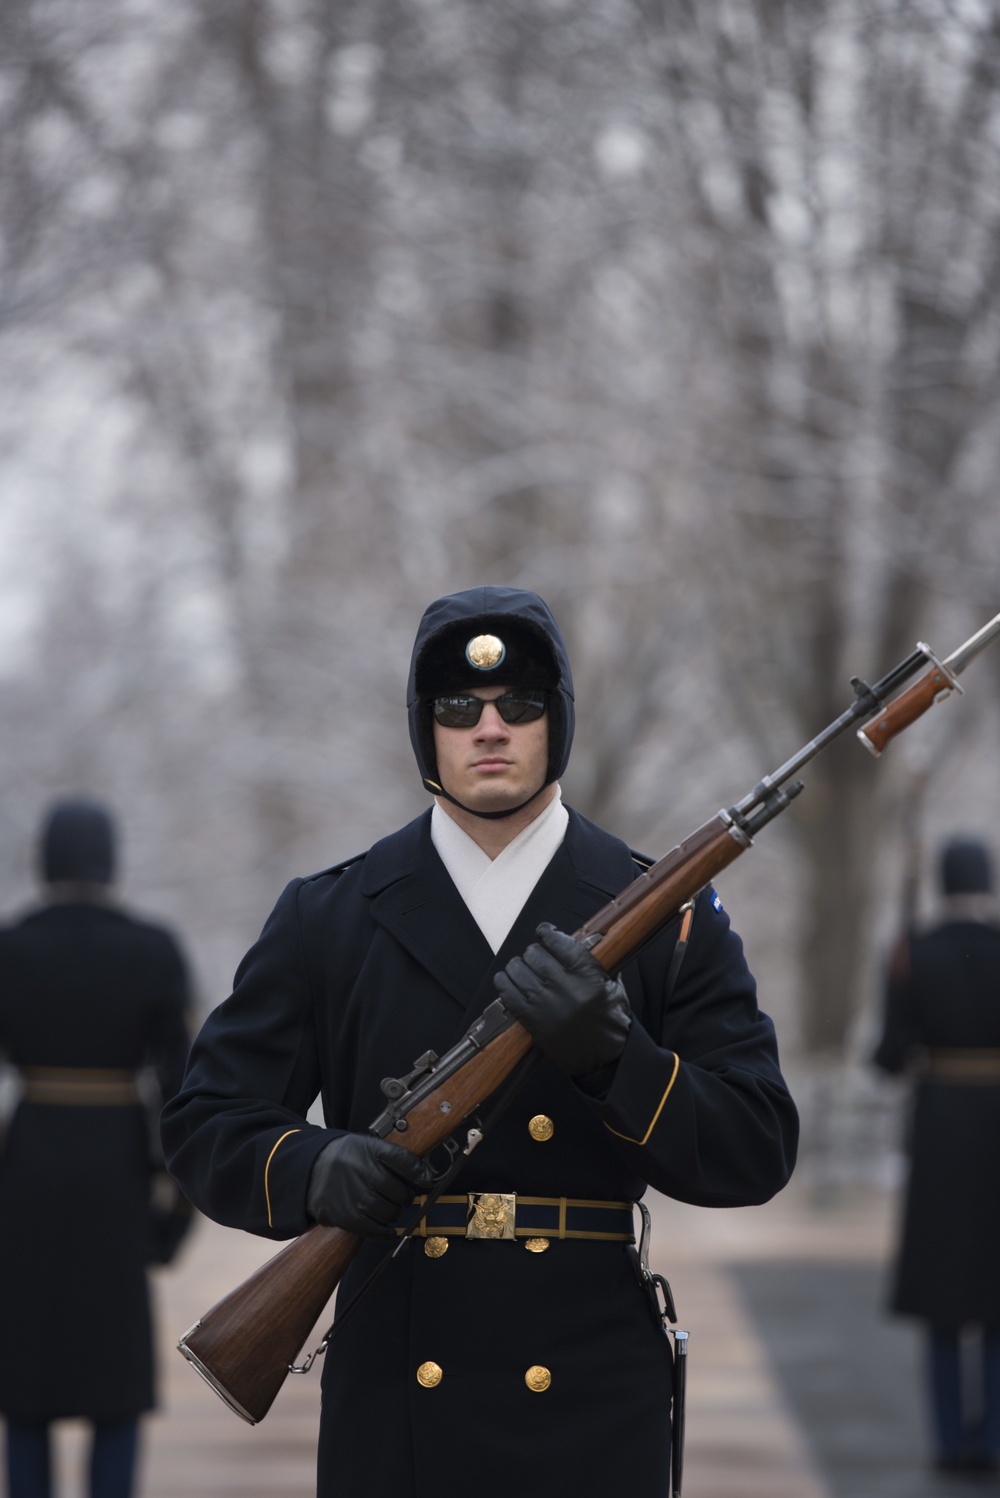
(576, 1014)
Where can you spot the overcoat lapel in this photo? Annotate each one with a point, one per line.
(416, 901)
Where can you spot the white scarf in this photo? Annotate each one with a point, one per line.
(495, 889)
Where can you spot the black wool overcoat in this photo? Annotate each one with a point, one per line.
(82, 985)
(946, 997)
(358, 971)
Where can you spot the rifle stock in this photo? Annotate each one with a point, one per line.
(244, 1347)
(246, 1344)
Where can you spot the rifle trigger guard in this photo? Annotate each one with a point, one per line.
(455, 1150)
(451, 1149)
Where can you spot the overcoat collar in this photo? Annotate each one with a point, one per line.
(414, 899)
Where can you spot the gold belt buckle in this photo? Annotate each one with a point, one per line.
(491, 1214)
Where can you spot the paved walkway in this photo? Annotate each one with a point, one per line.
(761, 1419)
(744, 1440)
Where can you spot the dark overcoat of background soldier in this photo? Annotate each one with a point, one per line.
(89, 996)
(531, 1362)
(942, 1021)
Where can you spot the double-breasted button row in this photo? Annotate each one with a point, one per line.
(537, 1378)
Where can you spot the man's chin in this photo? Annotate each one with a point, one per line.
(494, 801)
(483, 798)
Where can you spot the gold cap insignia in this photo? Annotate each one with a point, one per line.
(485, 652)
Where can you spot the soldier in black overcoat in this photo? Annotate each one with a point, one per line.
(942, 1026)
(92, 1004)
(512, 1349)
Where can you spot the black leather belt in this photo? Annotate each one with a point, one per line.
(506, 1215)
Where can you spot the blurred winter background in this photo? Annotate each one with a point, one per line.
(685, 315)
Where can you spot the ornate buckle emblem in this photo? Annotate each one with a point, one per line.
(491, 1214)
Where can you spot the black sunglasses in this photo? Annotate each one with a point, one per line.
(513, 707)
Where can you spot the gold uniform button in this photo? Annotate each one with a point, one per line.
(429, 1375)
(536, 1245)
(538, 1379)
(541, 1128)
(435, 1247)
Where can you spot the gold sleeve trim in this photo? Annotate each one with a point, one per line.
(267, 1167)
(656, 1115)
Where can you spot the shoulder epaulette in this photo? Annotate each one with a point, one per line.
(336, 868)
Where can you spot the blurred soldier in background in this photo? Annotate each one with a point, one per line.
(513, 1349)
(89, 997)
(942, 1020)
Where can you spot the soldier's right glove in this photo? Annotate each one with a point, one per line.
(361, 1183)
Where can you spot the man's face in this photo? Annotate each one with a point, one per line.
(495, 765)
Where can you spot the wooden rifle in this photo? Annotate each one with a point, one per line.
(246, 1345)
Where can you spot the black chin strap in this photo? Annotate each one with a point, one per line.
(486, 816)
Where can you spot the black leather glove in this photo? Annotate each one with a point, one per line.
(361, 1183)
(577, 1015)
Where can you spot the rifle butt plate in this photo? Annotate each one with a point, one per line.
(210, 1378)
